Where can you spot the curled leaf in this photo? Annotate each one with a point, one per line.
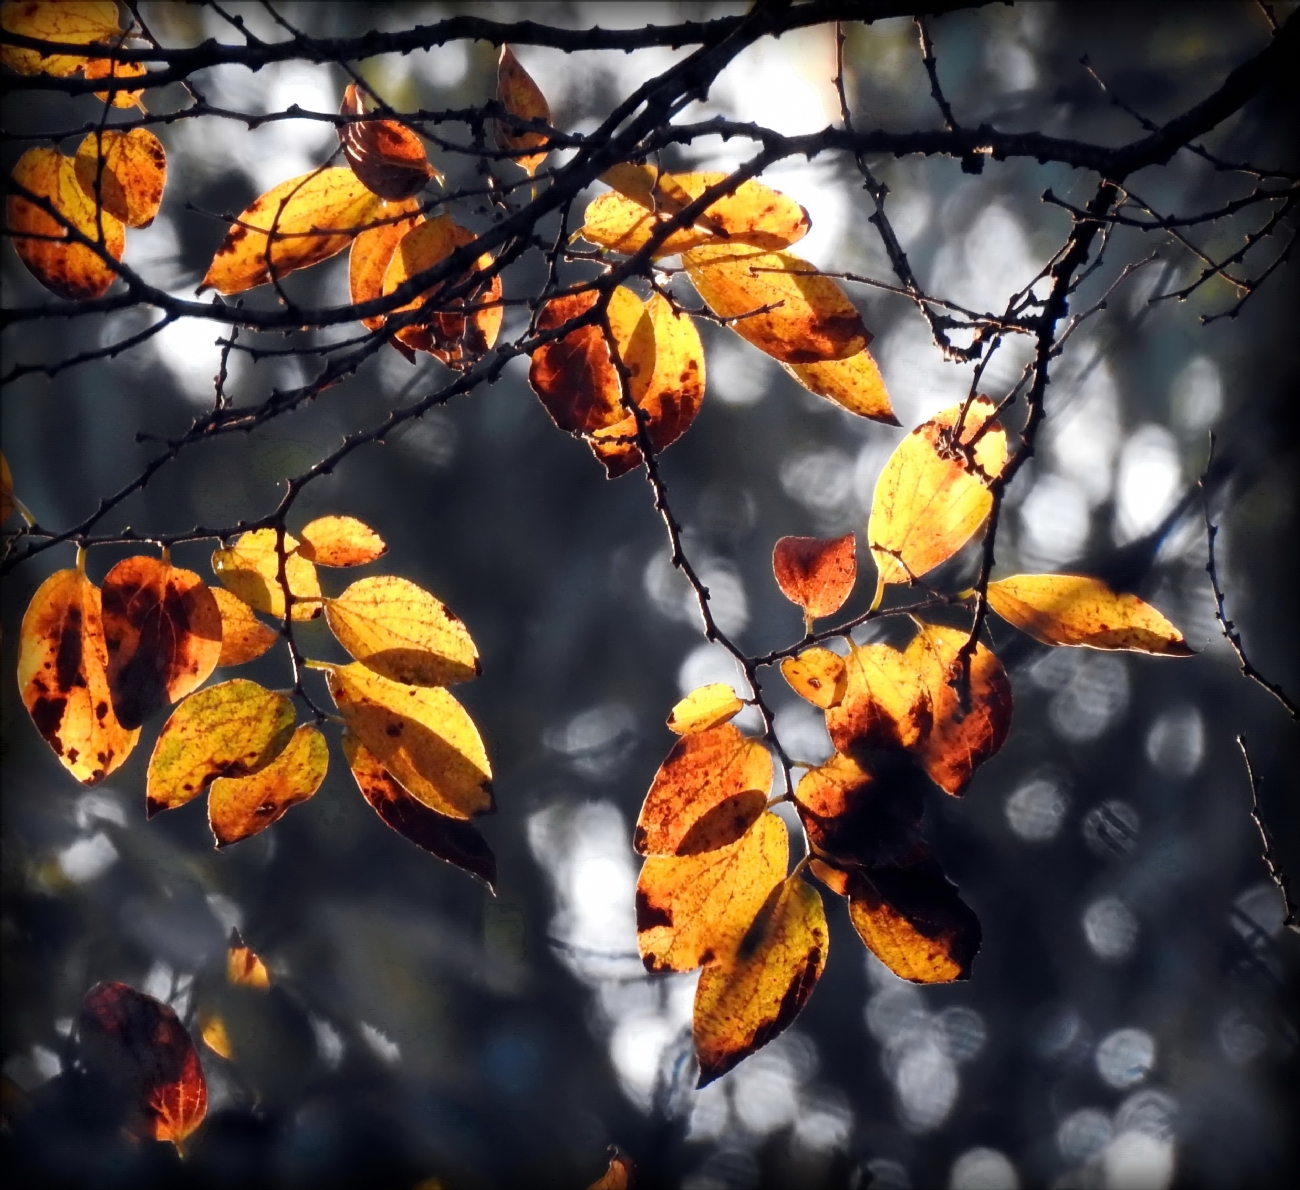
(239, 807)
(705, 707)
(340, 541)
(243, 636)
(79, 22)
(816, 573)
(854, 384)
(250, 569)
(243, 966)
(818, 675)
(387, 156)
(523, 98)
(127, 170)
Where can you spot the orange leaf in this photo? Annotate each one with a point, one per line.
(240, 807)
(243, 636)
(929, 500)
(99, 68)
(63, 677)
(747, 997)
(371, 252)
(706, 794)
(862, 814)
(816, 573)
(818, 675)
(80, 22)
(387, 156)
(163, 629)
(854, 384)
(886, 704)
(705, 707)
(243, 966)
(128, 168)
(620, 1175)
(1070, 609)
(521, 97)
(340, 541)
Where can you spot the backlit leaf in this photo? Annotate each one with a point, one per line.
(747, 997)
(620, 1175)
(521, 97)
(243, 966)
(228, 730)
(929, 500)
(805, 317)
(862, 813)
(1071, 609)
(371, 252)
(243, 636)
(77, 21)
(293, 225)
(251, 567)
(108, 68)
(163, 629)
(818, 675)
(854, 384)
(705, 707)
(421, 735)
(130, 170)
(63, 677)
(141, 1048)
(72, 271)
(706, 794)
(340, 541)
(451, 839)
(239, 807)
(387, 156)
(692, 909)
(886, 704)
(816, 573)
(213, 1031)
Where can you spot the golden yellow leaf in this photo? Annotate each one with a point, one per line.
(747, 997)
(127, 169)
(77, 21)
(818, 675)
(340, 541)
(244, 968)
(387, 156)
(929, 500)
(705, 707)
(1071, 609)
(692, 909)
(804, 316)
(251, 568)
(63, 677)
(228, 730)
(293, 225)
(239, 807)
(102, 68)
(707, 792)
(854, 384)
(817, 573)
(521, 97)
(243, 636)
(373, 249)
(72, 271)
(885, 704)
(421, 735)
(213, 1031)
(402, 632)
(862, 814)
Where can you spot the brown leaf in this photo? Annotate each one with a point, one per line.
(705, 707)
(340, 541)
(243, 966)
(854, 384)
(240, 807)
(886, 703)
(521, 97)
(387, 156)
(243, 636)
(621, 1174)
(79, 22)
(128, 170)
(816, 573)
(818, 675)
(163, 630)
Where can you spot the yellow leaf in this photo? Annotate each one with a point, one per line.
(373, 249)
(243, 636)
(818, 675)
(387, 156)
(228, 730)
(213, 1031)
(251, 568)
(402, 632)
(101, 68)
(63, 677)
(854, 384)
(707, 792)
(421, 735)
(340, 541)
(293, 225)
(1071, 609)
(72, 271)
(929, 500)
(885, 704)
(747, 997)
(692, 909)
(521, 97)
(244, 968)
(239, 807)
(705, 707)
(810, 317)
(77, 21)
(127, 169)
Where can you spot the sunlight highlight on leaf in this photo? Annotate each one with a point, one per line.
(239, 807)
(885, 702)
(244, 968)
(250, 569)
(77, 21)
(816, 573)
(854, 384)
(340, 541)
(705, 707)
(818, 675)
(521, 97)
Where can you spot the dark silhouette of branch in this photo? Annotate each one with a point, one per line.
(1279, 878)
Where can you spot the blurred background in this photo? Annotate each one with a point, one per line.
(1130, 1021)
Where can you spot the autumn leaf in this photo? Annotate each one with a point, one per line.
(340, 541)
(128, 171)
(451, 839)
(1071, 609)
(212, 1029)
(779, 302)
(387, 156)
(228, 730)
(929, 500)
(818, 675)
(250, 569)
(862, 813)
(854, 384)
(691, 909)
(139, 1046)
(402, 632)
(79, 22)
(706, 794)
(109, 68)
(243, 966)
(163, 629)
(239, 807)
(371, 253)
(72, 271)
(621, 1174)
(63, 677)
(750, 995)
(705, 707)
(885, 705)
(243, 636)
(421, 735)
(521, 97)
(292, 226)
(816, 573)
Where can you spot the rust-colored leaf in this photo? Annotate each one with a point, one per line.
(163, 629)
(886, 703)
(706, 794)
(818, 675)
(371, 253)
(292, 226)
(63, 677)
(73, 271)
(705, 707)
(621, 1174)
(451, 839)
(239, 807)
(778, 302)
(244, 968)
(79, 22)
(816, 573)
(692, 909)
(521, 97)
(747, 997)
(228, 730)
(854, 384)
(141, 1048)
(243, 636)
(340, 541)
(251, 569)
(128, 170)
(109, 68)
(859, 813)
(387, 156)
(1071, 609)
(930, 499)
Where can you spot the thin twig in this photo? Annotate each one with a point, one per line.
(1275, 873)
